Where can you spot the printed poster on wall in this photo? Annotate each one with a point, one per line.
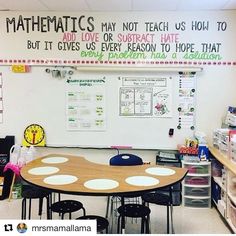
(187, 96)
(145, 97)
(85, 107)
(118, 38)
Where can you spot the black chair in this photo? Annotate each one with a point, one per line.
(102, 223)
(35, 193)
(162, 199)
(67, 206)
(127, 159)
(135, 211)
(7, 181)
(124, 159)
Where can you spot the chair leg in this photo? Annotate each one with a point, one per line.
(49, 213)
(59, 199)
(171, 219)
(107, 207)
(84, 211)
(29, 216)
(143, 225)
(111, 214)
(122, 217)
(147, 225)
(171, 210)
(40, 207)
(118, 225)
(23, 209)
(168, 220)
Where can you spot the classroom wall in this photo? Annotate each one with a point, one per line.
(215, 84)
(101, 156)
(216, 91)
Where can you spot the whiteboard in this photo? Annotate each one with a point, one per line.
(38, 97)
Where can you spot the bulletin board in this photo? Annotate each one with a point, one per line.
(66, 109)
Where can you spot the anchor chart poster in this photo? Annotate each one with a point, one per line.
(145, 96)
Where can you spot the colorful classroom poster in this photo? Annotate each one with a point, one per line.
(1, 100)
(145, 97)
(85, 108)
(118, 38)
(186, 107)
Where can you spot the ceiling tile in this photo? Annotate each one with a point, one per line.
(198, 5)
(67, 5)
(154, 5)
(116, 5)
(2, 6)
(230, 4)
(23, 5)
(110, 5)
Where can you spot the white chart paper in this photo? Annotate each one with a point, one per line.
(86, 109)
(145, 97)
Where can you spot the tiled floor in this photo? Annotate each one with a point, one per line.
(186, 220)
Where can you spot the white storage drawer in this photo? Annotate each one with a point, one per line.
(197, 180)
(196, 186)
(197, 169)
(197, 202)
(197, 191)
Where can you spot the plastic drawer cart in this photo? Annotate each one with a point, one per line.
(196, 186)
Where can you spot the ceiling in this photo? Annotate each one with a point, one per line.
(116, 5)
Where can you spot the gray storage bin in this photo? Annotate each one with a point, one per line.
(197, 191)
(196, 180)
(195, 202)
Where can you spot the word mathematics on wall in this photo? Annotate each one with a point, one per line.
(117, 38)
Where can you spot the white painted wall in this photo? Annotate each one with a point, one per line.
(101, 156)
(215, 92)
(215, 86)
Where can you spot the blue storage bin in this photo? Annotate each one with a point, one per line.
(215, 191)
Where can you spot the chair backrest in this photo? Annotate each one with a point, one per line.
(8, 178)
(126, 159)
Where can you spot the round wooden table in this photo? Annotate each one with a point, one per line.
(76, 175)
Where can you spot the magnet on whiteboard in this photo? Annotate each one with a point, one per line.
(171, 132)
